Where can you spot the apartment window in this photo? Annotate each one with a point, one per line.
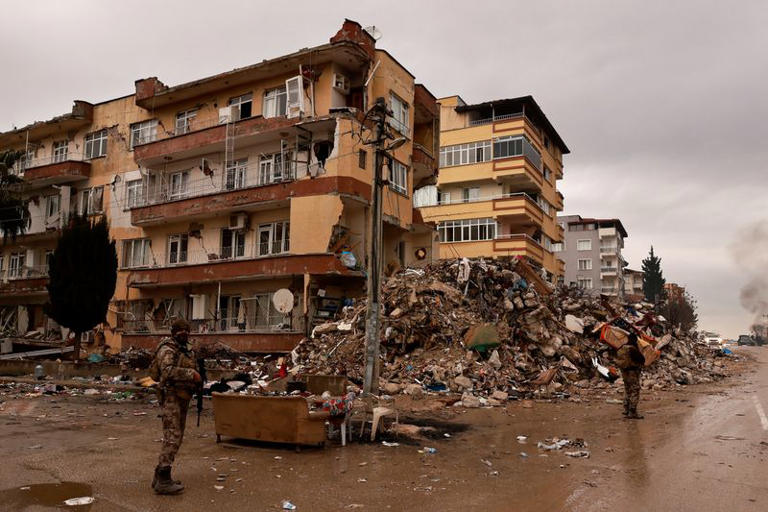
(584, 245)
(236, 173)
(16, 264)
(443, 197)
(143, 132)
(52, 205)
(179, 184)
(400, 117)
(60, 150)
(91, 201)
(136, 252)
(463, 154)
(470, 194)
(276, 168)
(398, 177)
(243, 106)
(96, 144)
(274, 238)
(177, 248)
(584, 283)
(516, 145)
(547, 174)
(544, 205)
(183, 120)
(275, 102)
(362, 157)
(266, 314)
(585, 264)
(466, 230)
(232, 243)
(558, 247)
(134, 193)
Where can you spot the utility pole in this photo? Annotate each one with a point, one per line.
(373, 315)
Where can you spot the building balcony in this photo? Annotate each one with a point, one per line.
(80, 116)
(609, 249)
(518, 209)
(209, 136)
(25, 282)
(424, 166)
(251, 340)
(609, 271)
(559, 203)
(200, 202)
(60, 170)
(518, 245)
(520, 172)
(609, 290)
(237, 269)
(606, 232)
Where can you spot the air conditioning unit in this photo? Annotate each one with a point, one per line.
(226, 115)
(238, 221)
(341, 83)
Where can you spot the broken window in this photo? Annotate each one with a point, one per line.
(60, 150)
(52, 206)
(143, 132)
(91, 201)
(466, 230)
(177, 249)
(274, 238)
(96, 144)
(136, 252)
(398, 177)
(236, 174)
(183, 120)
(242, 106)
(275, 102)
(232, 243)
(400, 120)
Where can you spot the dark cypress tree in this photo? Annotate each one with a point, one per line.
(82, 277)
(653, 280)
(14, 214)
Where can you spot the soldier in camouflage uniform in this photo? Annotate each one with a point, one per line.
(174, 367)
(631, 361)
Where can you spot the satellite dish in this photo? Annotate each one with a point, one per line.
(374, 32)
(283, 301)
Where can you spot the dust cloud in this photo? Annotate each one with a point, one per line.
(750, 251)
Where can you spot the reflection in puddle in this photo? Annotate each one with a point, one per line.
(45, 497)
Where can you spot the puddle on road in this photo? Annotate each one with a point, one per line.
(45, 497)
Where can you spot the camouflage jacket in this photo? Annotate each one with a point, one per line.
(176, 365)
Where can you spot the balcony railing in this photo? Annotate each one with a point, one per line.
(22, 165)
(205, 186)
(609, 269)
(488, 120)
(249, 324)
(223, 254)
(609, 289)
(26, 272)
(480, 199)
(609, 249)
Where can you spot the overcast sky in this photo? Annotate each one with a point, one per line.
(664, 107)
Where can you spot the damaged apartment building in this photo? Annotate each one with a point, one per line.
(497, 195)
(225, 190)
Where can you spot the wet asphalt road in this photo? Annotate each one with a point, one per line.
(703, 448)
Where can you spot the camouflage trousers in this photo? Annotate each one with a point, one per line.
(631, 378)
(174, 415)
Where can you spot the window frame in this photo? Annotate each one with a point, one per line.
(86, 201)
(466, 153)
(400, 120)
(585, 283)
(138, 198)
(468, 230)
(237, 242)
(273, 244)
(236, 174)
(273, 98)
(579, 243)
(98, 140)
(587, 264)
(398, 177)
(142, 244)
(183, 120)
(242, 102)
(57, 155)
(53, 198)
(16, 264)
(183, 185)
(182, 251)
(145, 131)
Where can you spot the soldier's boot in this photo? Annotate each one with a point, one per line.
(154, 480)
(632, 415)
(163, 484)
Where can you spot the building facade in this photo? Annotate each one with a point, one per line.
(591, 250)
(224, 190)
(633, 284)
(497, 189)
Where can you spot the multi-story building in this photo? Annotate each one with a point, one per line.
(674, 291)
(226, 189)
(633, 284)
(591, 250)
(497, 189)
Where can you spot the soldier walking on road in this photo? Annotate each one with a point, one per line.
(174, 369)
(631, 361)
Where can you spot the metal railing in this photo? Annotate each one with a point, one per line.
(165, 193)
(23, 165)
(250, 324)
(503, 117)
(611, 249)
(523, 236)
(26, 272)
(609, 269)
(221, 254)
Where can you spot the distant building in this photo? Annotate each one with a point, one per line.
(674, 291)
(633, 284)
(591, 251)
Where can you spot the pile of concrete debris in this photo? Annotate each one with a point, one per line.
(493, 330)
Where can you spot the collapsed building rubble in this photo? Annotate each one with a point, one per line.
(492, 331)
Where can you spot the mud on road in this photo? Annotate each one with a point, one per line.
(699, 448)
